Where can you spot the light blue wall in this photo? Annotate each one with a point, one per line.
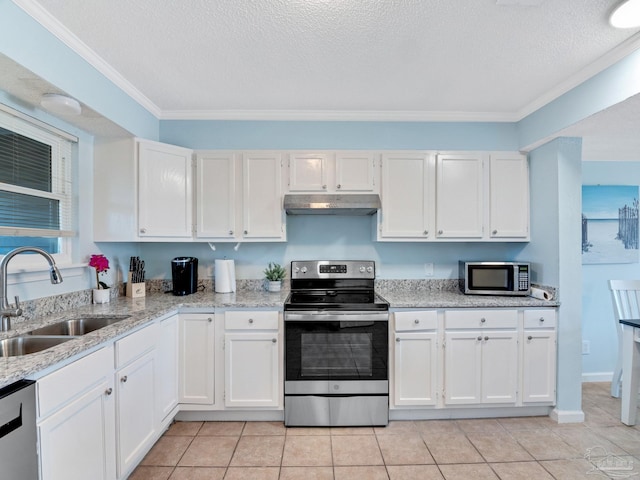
(555, 240)
(598, 324)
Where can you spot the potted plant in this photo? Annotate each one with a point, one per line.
(274, 274)
(102, 293)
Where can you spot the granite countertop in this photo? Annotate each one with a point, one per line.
(143, 310)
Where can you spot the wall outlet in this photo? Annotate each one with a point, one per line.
(586, 347)
(428, 269)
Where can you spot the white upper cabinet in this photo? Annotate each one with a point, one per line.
(142, 191)
(239, 197)
(164, 190)
(460, 195)
(332, 172)
(509, 197)
(407, 196)
(216, 196)
(263, 214)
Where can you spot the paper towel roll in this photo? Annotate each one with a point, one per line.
(541, 294)
(225, 276)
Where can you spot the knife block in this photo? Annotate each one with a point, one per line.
(135, 290)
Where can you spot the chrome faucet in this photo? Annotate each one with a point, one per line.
(6, 310)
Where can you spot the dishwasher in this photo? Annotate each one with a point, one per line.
(18, 436)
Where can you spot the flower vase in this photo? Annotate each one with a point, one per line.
(274, 286)
(101, 295)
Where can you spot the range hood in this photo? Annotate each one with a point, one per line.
(331, 204)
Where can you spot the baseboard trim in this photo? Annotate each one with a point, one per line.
(567, 416)
(597, 377)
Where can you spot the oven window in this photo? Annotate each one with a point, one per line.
(336, 350)
(336, 354)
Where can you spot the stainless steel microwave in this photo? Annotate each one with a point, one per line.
(494, 278)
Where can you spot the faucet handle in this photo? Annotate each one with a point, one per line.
(18, 310)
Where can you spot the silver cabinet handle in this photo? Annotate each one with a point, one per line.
(397, 340)
(143, 230)
(245, 232)
(494, 232)
(529, 337)
(230, 232)
(209, 319)
(426, 232)
(274, 340)
(440, 232)
(251, 320)
(541, 319)
(416, 321)
(324, 187)
(108, 391)
(486, 338)
(124, 379)
(338, 186)
(482, 320)
(479, 338)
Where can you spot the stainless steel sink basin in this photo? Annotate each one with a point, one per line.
(79, 326)
(26, 344)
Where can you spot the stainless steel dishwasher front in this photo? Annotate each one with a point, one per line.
(18, 436)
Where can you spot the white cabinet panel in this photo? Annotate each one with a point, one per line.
(196, 377)
(499, 367)
(509, 200)
(164, 190)
(308, 172)
(355, 172)
(216, 196)
(460, 195)
(263, 215)
(407, 193)
(166, 378)
(539, 366)
(415, 368)
(462, 368)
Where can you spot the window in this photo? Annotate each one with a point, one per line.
(35, 186)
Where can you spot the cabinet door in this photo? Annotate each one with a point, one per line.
(415, 368)
(539, 366)
(196, 363)
(252, 370)
(355, 172)
(78, 442)
(462, 367)
(164, 190)
(460, 194)
(166, 379)
(136, 416)
(216, 191)
(262, 197)
(406, 193)
(509, 199)
(308, 172)
(499, 367)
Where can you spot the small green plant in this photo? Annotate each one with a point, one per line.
(274, 272)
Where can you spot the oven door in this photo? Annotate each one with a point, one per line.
(336, 352)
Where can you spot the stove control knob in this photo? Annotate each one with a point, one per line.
(303, 269)
(362, 269)
(369, 269)
(296, 270)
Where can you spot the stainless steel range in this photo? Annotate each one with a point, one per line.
(336, 346)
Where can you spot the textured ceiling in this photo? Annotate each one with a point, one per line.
(344, 59)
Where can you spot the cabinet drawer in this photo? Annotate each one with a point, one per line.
(540, 318)
(481, 319)
(415, 321)
(251, 320)
(61, 386)
(135, 345)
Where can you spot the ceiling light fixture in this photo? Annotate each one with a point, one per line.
(626, 15)
(60, 104)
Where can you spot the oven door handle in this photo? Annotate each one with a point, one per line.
(324, 316)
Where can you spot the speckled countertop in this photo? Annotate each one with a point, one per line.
(143, 310)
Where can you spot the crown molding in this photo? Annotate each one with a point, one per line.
(48, 21)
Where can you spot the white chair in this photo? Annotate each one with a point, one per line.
(626, 305)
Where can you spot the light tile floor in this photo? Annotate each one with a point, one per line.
(504, 448)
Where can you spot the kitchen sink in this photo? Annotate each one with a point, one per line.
(79, 326)
(26, 344)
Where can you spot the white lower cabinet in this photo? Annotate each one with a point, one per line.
(539, 347)
(76, 420)
(135, 397)
(481, 357)
(415, 356)
(166, 379)
(252, 359)
(196, 358)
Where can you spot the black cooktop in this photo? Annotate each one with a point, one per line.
(335, 300)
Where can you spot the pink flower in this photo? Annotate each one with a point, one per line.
(101, 264)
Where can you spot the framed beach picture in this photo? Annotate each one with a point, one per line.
(609, 224)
